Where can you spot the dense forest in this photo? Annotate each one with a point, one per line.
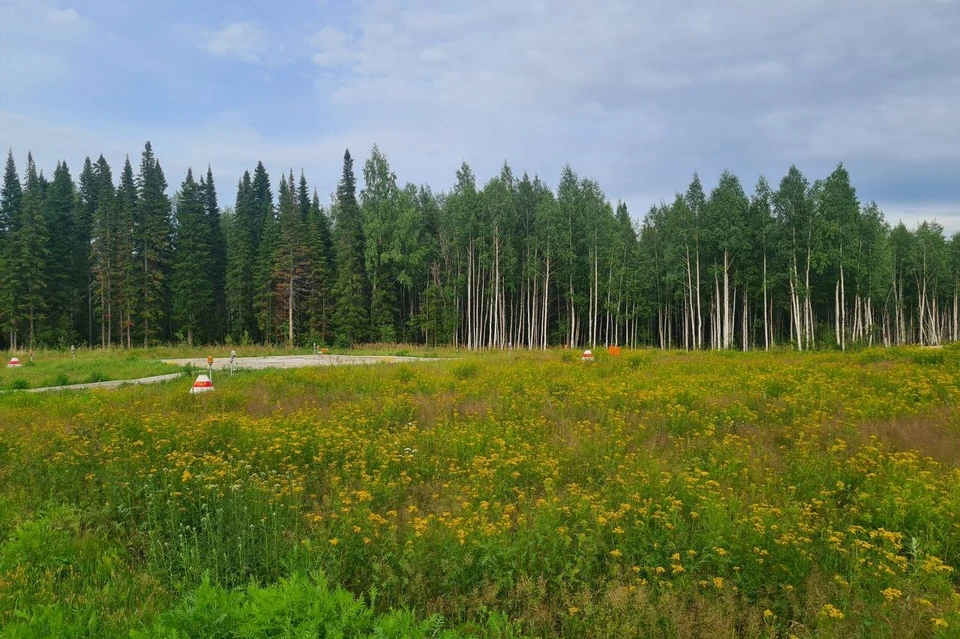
(111, 261)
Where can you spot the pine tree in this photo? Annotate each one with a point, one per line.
(265, 238)
(126, 292)
(241, 252)
(103, 248)
(191, 283)
(62, 293)
(152, 246)
(11, 207)
(87, 195)
(30, 253)
(216, 328)
(350, 291)
(322, 272)
(290, 257)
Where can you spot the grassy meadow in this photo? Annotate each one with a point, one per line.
(500, 495)
(60, 368)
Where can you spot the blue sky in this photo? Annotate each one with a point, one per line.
(637, 95)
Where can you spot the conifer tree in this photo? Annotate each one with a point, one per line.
(350, 291)
(216, 321)
(152, 246)
(126, 266)
(104, 250)
(11, 206)
(191, 283)
(290, 263)
(61, 292)
(321, 272)
(26, 262)
(265, 238)
(241, 253)
(88, 192)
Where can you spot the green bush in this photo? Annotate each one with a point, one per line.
(96, 376)
(299, 606)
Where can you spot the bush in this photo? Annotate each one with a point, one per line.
(20, 384)
(299, 606)
(96, 376)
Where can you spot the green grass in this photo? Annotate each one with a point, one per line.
(52, 368)
(656, 495)
(59, 368)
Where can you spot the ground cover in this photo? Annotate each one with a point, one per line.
(656, 494)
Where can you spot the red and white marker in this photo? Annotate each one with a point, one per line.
(202, 385)
(14, 363)
(587, 356)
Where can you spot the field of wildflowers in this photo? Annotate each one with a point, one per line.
(499, 495)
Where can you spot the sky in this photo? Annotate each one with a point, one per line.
(635, 95)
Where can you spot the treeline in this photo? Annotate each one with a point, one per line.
(513, 263)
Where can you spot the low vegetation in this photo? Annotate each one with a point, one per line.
(522, 494)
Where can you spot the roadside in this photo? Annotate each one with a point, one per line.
(242, 363)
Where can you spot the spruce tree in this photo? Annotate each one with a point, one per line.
(30, 255)
(321, 272)
(61, 292)
(126, 265)
(103, 249)
(216, 328)
(350, 291)
(152, 246)
(290, 257)
(265, 237)
(191, 282)
(88, 193)
(11, 206)
(241, 253)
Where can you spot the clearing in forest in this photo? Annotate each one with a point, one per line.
(521, 494)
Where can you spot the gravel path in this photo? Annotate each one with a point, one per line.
(248, 363)
(293, 361)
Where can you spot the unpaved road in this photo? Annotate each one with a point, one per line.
(245, 363)
(292, 361)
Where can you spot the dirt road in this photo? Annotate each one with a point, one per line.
(245, 363)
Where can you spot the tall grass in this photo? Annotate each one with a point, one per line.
(672, 495)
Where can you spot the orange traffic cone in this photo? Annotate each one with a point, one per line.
(202, 385)
(14, 363)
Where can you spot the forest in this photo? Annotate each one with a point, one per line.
(513, 263)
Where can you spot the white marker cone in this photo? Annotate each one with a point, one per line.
(202, 385)
(587, 356)
(14, 363)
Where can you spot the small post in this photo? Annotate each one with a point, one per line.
(232, 355)
(31, 354)
(73, 351)
(210, 365)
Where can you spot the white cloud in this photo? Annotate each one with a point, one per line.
(913, 213)
(241, 40)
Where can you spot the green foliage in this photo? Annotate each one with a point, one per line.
(298, 606)
(631, 497)
(351, 291)
(507, 263)
(152, 235)
(193, 278)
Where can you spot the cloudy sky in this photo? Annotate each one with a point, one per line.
(637, 95)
